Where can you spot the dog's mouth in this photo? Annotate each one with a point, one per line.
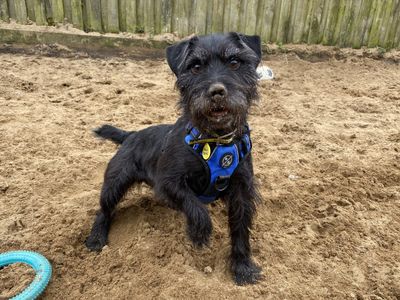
(218, 112)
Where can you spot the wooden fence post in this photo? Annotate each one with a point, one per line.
(284, 22)
(4, 11)
(17, 11)
(110, 15)
(92, 15)
(130, 11)
(30, 10)
(390, 40)
(217, 16)
(76, 13)
(57, 10)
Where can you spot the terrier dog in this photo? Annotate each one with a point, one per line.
(205, 155)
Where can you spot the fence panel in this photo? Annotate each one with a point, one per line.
(353, 23)
(4, 10)
(77, 13)
(110, 15)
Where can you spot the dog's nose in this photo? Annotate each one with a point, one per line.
(217, 90)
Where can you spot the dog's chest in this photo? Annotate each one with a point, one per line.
(215, 164)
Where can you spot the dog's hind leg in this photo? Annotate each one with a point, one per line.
(121, 173)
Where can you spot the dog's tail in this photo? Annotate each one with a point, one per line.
(112, 133)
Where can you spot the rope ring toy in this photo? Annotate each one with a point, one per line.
(40, 265)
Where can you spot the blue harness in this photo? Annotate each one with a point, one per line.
(221, 159)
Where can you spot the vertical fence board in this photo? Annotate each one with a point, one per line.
(300, 23)
(11, 9)
(148, 16)
(68, 11)
(350, 23)
(391, 33)
(241, 24)
(17, 10)
(191, 17)
(231, 16)
(259, 17)
(122, 15)
(227, 9)
(340, 12)
(92, 15)
(217, 16)
(386, 23)
(396, 41)
(166, 15)
(76, 13)
(131, 23)
(284, 22)
(369, 21)
(140, 16)
(30, 9)
(295, 12)
(183, 21)
(315, 22)
(250, 20)
(268, 12)
(109, 15)
(374, 33)
(360, 25)
(57, 10)
(365, 19)
(275, 20)
(346, 21)
(331, 22)
(308, 21)
(209, 16)
(197, 22)
(324, 19)
(354, 24)
(40, 12)
(4, 11)
(157, 17)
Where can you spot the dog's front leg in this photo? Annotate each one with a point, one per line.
(241, 208)
(199, 226)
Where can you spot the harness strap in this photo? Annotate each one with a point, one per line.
(226, 154)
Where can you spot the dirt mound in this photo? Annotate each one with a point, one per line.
(327, 157)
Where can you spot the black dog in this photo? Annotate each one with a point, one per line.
(205, 155)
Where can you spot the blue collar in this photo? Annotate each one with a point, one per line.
(221, 157)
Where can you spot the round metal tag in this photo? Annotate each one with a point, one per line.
(226, 160)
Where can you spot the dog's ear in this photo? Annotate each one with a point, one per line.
(251, 41)
(177, 54)
(254, 42)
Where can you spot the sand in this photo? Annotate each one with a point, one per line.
(326, 136)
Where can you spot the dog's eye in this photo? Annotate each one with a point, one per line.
(234, 64)
(196, 69)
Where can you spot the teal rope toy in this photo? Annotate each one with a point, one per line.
(40, 265)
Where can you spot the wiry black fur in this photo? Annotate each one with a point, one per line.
(216, 94)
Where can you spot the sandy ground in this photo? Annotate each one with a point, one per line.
(327, 156)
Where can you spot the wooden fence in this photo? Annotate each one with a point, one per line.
(345, 23)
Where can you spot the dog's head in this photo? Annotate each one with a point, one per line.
(217, 79)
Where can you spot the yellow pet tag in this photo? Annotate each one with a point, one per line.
(206, 151)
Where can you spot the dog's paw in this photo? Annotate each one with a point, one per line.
(200, 233)
(95, 242)
(246, 272)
